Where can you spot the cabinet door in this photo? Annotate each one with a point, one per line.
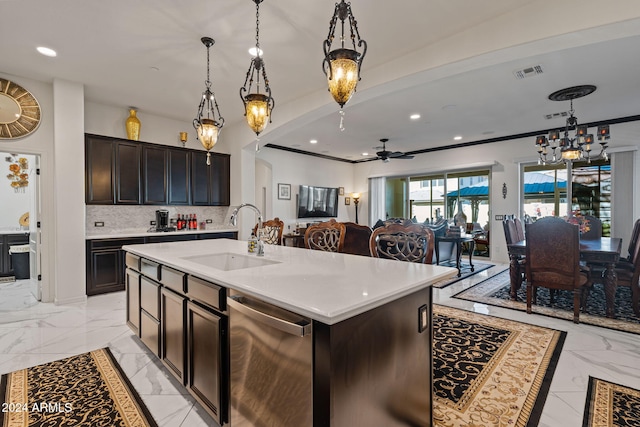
(178, 174)
(200, 173)
(105, 274)
(132, 284)
(207, 347)
(98, 183)
(127, 173)
(154, 175)
(220, 180)
(172, 325)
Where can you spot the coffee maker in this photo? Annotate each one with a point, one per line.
(162, 220)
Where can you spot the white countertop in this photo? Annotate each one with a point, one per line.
(327, 287)
(13, 231)
(137, 233)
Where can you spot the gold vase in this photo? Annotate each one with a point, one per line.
(133, 125)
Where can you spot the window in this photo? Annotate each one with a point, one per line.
(545, 191)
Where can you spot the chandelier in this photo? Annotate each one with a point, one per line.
(208, 122)
(257, 106)
(575, 144)
(342, 65)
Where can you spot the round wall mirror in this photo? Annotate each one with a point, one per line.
(19, 111)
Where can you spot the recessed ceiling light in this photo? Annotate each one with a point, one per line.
(457, 138)
(365, 154)
(313, 141)
(46, 51)
(252, 51)
(414, 116)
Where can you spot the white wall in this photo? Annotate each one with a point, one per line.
(15, 204)
(296, 170)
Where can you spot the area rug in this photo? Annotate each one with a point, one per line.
(610, 404)
(465, 271)
(495, 291)
(490, 371)
(85, 390)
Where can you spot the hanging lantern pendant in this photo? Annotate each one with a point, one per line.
(342, 65)
(257, 106)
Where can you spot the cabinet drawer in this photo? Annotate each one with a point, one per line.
(132, 261)
(150, 332)
(149, 268)
(172, 279)
(207, 293)
(150, 297)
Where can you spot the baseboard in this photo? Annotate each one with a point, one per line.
(75, 300)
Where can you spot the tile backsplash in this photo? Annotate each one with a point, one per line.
(119, 218)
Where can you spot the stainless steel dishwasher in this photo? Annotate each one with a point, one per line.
(271, 364)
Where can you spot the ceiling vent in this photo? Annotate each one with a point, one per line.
(556, 115)
(528, 72)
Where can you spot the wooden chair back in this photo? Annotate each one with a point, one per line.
(326, 236)
(635, 236)
(595, 228)
(356, 239)
(403, 242)
(271, 231)
(553, 259)
(519, 229)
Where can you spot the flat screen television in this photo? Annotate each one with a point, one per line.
(317, 202)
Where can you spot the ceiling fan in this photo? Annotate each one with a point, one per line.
(385, 155)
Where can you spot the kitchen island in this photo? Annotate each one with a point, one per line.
(346, 341)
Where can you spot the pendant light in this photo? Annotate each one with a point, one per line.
(208, 122)
(257, 106)
(342, 65)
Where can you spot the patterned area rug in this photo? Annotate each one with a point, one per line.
(490, 371)
(495, 291)
(85, 390)
(465, 271)
(610, 404)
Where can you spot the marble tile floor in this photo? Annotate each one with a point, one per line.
(46, 332)
(17, 295)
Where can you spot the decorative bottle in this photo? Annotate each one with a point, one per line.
(133, 125)
(460, 218)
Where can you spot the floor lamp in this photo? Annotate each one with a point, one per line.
(356, 200)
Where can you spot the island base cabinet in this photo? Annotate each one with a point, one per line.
(173, 332)
(375, 369)
(132, 282)
(207, 361)
(150, 332)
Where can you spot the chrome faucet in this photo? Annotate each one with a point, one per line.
(234, 221)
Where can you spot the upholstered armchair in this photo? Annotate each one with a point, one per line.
(356, 239)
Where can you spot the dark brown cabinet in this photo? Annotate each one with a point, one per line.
(207, 362)
(6, 241)
(98, 170)
(154, 175)
(173, 327)
(210, 184)
(132, 286)
(106, 264)
(127, 173)
(178, 174)
(120, 171)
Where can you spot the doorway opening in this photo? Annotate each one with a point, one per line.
(20, 234)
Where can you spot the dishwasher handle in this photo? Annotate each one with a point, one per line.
(301, 328)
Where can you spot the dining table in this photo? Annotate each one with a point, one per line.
(602, 252)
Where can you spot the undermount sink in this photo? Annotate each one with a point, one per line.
(229, 261)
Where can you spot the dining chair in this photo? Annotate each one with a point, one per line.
(630, 276)
(595, 228)
(271, 231)
(553, 260)
(403, 242)
(516, 262)
(519, 229)
(326, 236)
(356, 239)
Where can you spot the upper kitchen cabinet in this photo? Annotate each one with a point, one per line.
(98, 184)
(127, 172)
(210, 184)
(179, 172)
(119, 171)
(154, 175)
